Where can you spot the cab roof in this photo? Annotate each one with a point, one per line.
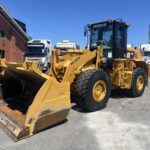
(110, 21)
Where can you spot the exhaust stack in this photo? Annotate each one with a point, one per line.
(149, 35)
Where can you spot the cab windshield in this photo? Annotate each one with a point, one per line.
(101, 35)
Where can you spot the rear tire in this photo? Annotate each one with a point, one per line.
(92, 89)
(138, 83)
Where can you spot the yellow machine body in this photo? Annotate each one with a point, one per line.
(33, 101)
(67, 68)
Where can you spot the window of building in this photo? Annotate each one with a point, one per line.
(2, 34)
(2, 54)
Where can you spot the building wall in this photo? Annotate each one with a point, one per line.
(12, 43)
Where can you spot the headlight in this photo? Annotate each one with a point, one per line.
(145, 59)
(148, 62)
(43, 59)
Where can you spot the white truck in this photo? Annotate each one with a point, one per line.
(66, 44)
(145, 48)
(39, 50)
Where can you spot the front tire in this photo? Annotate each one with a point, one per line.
(93, 89)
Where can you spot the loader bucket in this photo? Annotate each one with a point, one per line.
(32, 101)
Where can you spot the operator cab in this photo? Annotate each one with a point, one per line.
(111, 35)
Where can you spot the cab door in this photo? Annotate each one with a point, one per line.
(120, 45)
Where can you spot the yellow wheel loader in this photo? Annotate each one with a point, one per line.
(33, 101)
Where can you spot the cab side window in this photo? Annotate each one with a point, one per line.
(121, 37)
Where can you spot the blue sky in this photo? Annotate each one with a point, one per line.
(65, 19)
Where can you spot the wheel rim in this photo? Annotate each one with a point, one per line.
(99, 91)
(140, 83)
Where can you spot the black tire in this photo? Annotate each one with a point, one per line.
(84, 87)
(134, 91)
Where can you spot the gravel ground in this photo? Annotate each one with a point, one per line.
(124, 124)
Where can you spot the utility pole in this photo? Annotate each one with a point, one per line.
(149, 36)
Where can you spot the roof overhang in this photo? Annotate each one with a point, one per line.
(15, 25)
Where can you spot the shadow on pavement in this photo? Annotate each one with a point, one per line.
(79, 109)
(119, 93)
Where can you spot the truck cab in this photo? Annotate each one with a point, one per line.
(39, 50)
(146, 52)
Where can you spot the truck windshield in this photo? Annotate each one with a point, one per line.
(147, 54)
(35, 51)
(101, 35)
